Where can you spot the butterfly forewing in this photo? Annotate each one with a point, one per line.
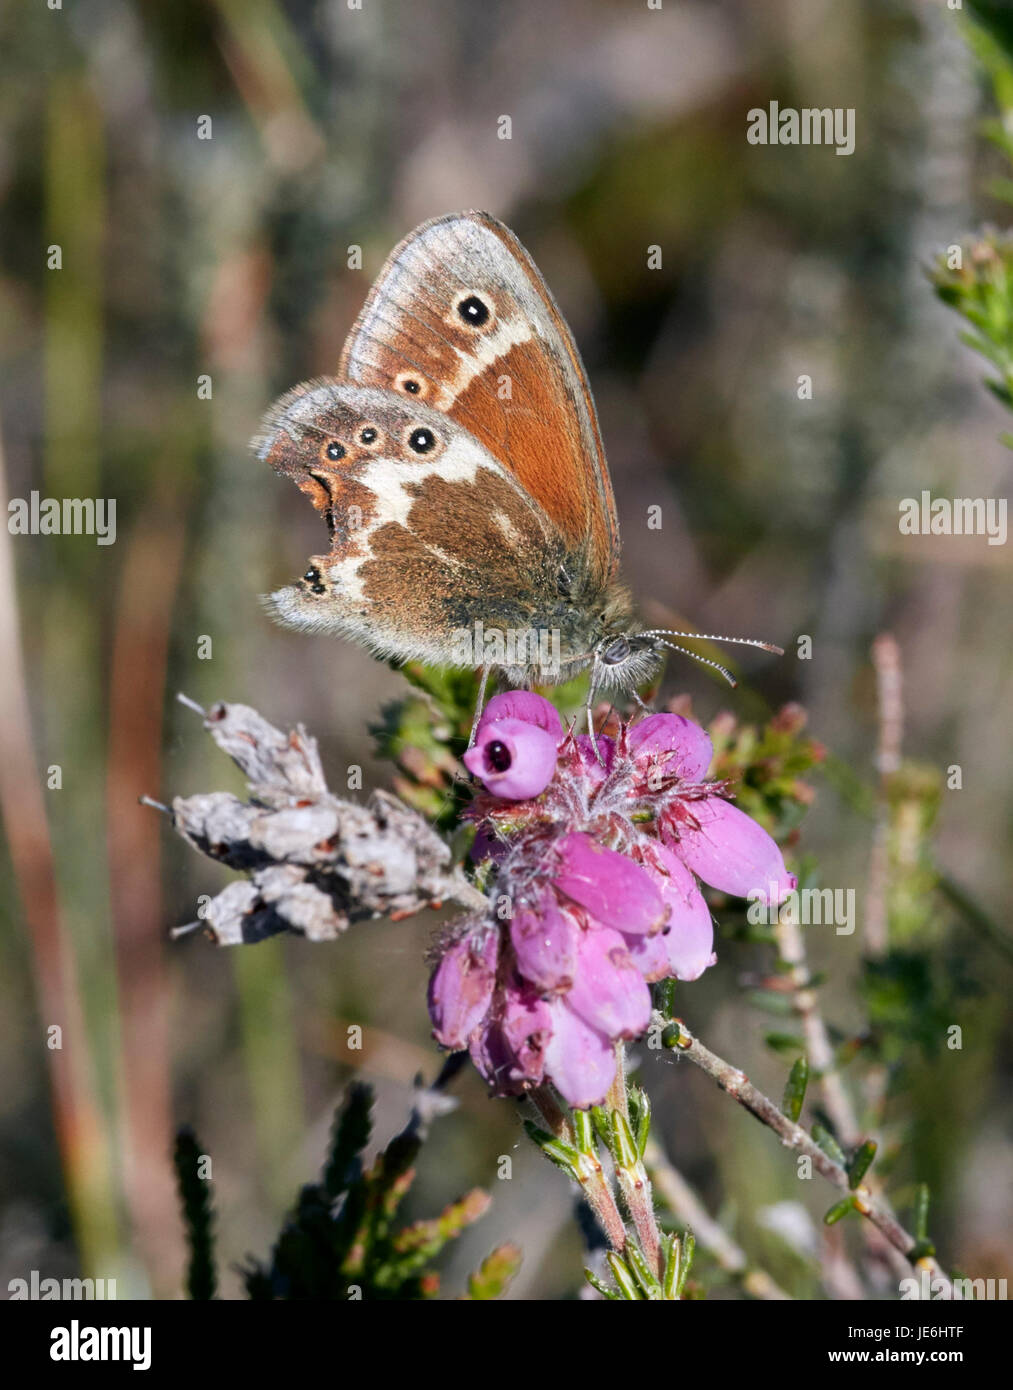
(461, 320)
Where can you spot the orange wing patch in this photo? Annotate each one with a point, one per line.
(461, 319)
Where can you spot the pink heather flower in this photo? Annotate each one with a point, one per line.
(544, 939)
(509, 1051)
(514, 759)
(601, 872)
(689, 941)
(524, 705)
(613, 889)
(580, 1060)
(461, 987)
(676, 743)
(608, 991)
(727, 849)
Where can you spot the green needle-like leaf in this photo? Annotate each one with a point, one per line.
(650, 1285)
(495, 1273)
(688, 1252)
(829, 1144)
(795, 1089)
(627, 1284)
(861, 1160)
(838, 1210)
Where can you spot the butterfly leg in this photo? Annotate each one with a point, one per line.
(483, 682)
(592, 687)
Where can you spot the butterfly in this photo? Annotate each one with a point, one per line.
(457, 459)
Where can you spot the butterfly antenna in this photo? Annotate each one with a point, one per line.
(703, 660)
(714, 637)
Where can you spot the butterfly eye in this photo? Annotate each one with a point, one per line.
(473, 311)
(368, 435)
(334, 451)
(616, 653)
(421, 440)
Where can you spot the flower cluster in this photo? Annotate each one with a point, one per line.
(598, 847)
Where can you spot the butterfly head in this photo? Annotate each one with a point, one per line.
(623, 661)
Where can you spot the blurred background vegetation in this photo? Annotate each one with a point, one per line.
(181, 257)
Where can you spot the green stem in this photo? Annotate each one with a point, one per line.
(585, 1168)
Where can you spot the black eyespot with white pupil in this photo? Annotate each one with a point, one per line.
(334, 451)
(312, 578)
(412, 387)
(368, 435)
(473, 311)
(420, 441)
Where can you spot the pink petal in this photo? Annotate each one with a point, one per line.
(728, 850)
(545, 943)
(493, 1058)
(460, 989)
(524, 705)
(650, 955)
(594, 771)
(514, 759)
(689, 941)
(609, 992)
(687, 745)
(615, 891)
(527, 1028)
(579, 1059)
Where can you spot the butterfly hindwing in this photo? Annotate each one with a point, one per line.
(420, 516)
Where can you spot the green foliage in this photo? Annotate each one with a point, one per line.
(980, 288)
(981, 291)
(766, 766)
(424, 733)
(495, 1273)
(636, 1282)
(341, 1241)
(911, 999)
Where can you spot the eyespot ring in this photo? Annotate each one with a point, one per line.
(422, 440)
(368, 435)
(412, 384)
(475, 310)
(332, 451)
